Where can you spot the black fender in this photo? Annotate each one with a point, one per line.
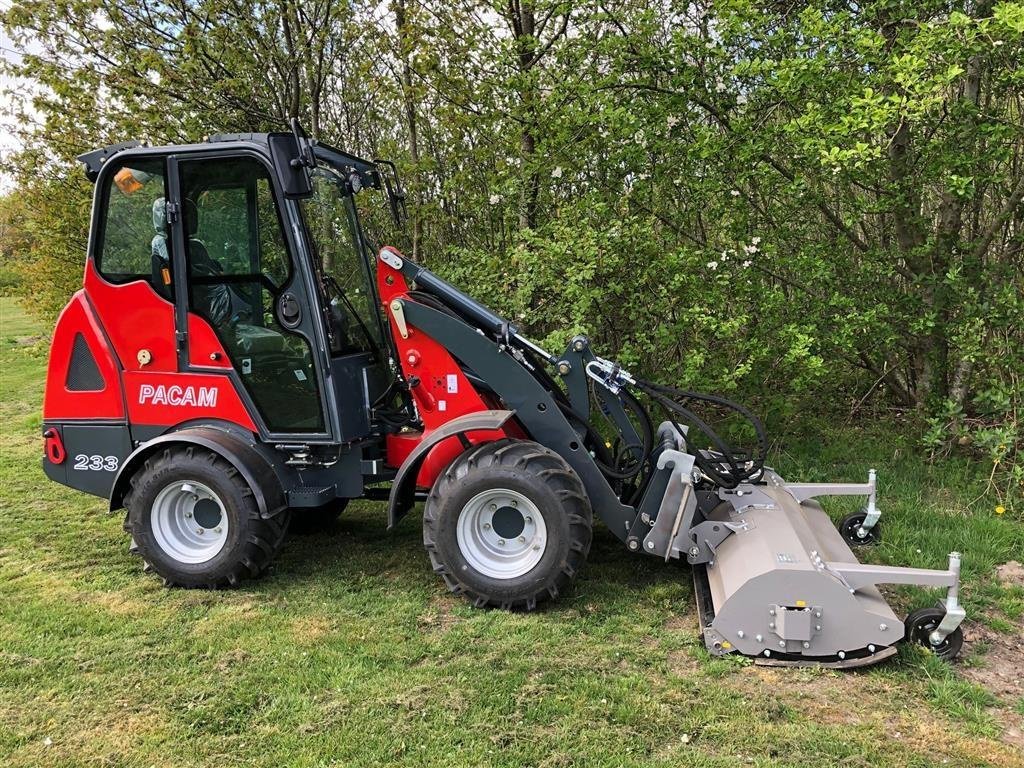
(403, 487)
(259, 472)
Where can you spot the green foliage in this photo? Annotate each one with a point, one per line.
(818, 207)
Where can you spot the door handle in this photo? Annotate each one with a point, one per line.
(289, 310)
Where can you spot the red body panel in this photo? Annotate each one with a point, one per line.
(171, 398)
(135, 318)
(140, 371)
(442, 393)
(60, 403)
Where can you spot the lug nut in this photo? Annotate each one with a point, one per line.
(501, 542)
(522, 538)
(493, 507)
(218, 529)
(200, 531)
(529, 520)
(487, 526)
(515, 503)
(188, 514)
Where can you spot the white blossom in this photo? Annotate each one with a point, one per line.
(712, 265)
(755, 240)
(495, 199)
(747, 263)
(734, 192)
(557, 173)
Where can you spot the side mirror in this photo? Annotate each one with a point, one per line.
(393, 186)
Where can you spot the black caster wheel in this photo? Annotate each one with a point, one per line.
(849, 529)
(919, 627)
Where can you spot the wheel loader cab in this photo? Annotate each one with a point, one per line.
(222, 284)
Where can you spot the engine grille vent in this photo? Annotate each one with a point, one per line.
(83, 373)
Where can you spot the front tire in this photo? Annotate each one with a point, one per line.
(194, 520)
(508, 525)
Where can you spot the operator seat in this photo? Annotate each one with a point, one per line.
(160, 259)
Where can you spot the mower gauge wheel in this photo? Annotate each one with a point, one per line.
(919, 627)
(852, 533)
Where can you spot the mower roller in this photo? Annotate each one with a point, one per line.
(241, 356)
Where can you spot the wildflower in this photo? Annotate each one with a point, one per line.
(712, 265)
(557, 173)
(747, 263)
(1000, 509)
(495, 199)
(734, 192)
(755, 240)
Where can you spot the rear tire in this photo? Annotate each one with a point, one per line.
(508, 525)
(193, 520)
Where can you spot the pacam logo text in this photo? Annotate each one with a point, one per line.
(202, 397)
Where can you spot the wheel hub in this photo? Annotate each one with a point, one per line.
(508, 522)
(501, 533)
(189, 523)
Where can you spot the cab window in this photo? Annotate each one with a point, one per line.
(136, 240)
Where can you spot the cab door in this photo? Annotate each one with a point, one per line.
(241, 276)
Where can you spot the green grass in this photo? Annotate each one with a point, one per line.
(351, 653)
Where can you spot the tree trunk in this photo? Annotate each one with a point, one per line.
(524, 28)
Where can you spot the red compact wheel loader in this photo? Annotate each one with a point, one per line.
(240, 356)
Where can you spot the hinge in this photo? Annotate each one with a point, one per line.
(172, 211)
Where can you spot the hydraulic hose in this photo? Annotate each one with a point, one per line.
(711, 464)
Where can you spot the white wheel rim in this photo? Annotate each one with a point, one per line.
(189, 522)
(501, 533)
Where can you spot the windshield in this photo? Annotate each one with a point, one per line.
(353, 323)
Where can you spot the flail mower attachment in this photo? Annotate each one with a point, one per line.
(774, 578)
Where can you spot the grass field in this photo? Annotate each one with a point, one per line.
(351, 653)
